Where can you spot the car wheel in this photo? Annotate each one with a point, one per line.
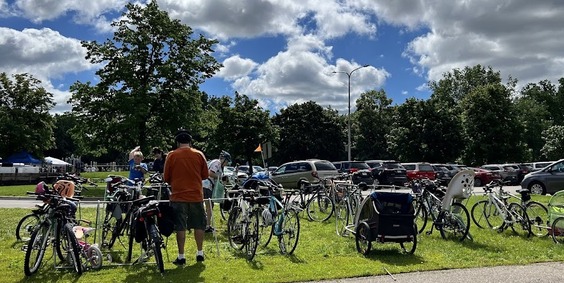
(477, 182)
(537, 188)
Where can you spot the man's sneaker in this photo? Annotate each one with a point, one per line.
(209, 229)
(179, 261)
(199, 258)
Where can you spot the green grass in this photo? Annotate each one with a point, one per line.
(320, 254)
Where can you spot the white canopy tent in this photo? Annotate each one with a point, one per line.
(55, 161)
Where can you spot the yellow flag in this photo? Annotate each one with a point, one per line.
(258, 149)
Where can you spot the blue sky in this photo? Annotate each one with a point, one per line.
(282, 52)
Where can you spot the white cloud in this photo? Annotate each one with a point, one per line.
(43, 53)
(235, 67)
(87, 11)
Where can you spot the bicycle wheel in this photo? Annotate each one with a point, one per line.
(410, 245)
(363, 238)
(110, 230)
(288, 240)
(538, 217)
(455, 223)
(61, 242)
(320, 208)
(521, 224)
(36, 247)
(421, 216)
(25, 226)
(479, 215)
(557, 230)
(234, 228)
(251, 236)
(94, 257)
(156, 245)
(493, 217)
(265, 231)
(342, 217)
(72, 248)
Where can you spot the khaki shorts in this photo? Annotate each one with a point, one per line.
(189, 215)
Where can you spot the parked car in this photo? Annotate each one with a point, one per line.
(419, 170)
(522, 170)
(507, 173)
(442, 174)
(359, 171)
(245, 169)
(484, 176)
(536, 166)
(548, 180)
(289, 174)
(229, 172)
(387, 172)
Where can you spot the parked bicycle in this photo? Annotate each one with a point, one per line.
(347, 198)
(144, 230)
(91, 254)
(243, 223)
(314, 199)
(498, 214)
(448, 215)
(54, 229)
(281, 215)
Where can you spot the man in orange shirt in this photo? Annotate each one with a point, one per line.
(184, 170)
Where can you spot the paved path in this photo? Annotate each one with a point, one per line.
(538, 272)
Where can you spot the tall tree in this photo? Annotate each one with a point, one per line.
(25, 122)
(554, 146)
(490, 126)
(309, 131)
(148, 83)
(65, 145)
(243, 125)
(372, 124)
(405, 137)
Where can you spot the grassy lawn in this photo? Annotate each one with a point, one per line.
(320, 254)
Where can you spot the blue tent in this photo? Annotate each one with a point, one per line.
(21, 157)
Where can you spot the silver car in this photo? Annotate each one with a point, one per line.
(289, 174)
(548, 180)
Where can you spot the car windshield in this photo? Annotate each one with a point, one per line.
(393, 166)
(360, 165)
(425, 167)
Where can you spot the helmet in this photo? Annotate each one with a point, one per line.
(182, 136)
(225, 155)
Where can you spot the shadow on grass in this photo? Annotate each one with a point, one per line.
(391, 253)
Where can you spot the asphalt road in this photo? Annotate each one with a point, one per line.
(539, 272)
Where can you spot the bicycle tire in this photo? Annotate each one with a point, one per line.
(73, 248)
(156, 243)
(538, 216)
(522, 223)
(341, 217)
(110, 230)
(25, 226)
(421, 217)
(61, 242)
(130, 240)
(494, 218)
(557, 230)
(478, 213)
(265, 232)
(251, 241)
(455, 222)
(38, 242)
(288, 240)
(94, 257)
(320, 208)
(234, 227)
(363, 238)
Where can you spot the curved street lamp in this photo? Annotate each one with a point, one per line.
(349, 114)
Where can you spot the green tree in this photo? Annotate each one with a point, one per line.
(372, 122)
(490, 126)
(405, 137)
(243, 125)
(65, 145)
(554, 142)
(309, 131)
(25, 122)
(148, 84)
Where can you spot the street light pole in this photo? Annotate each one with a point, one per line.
(349, 74)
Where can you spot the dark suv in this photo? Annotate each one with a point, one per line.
(359, 171)
(387, 172)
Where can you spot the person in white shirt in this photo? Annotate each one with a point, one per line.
(215, 171)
